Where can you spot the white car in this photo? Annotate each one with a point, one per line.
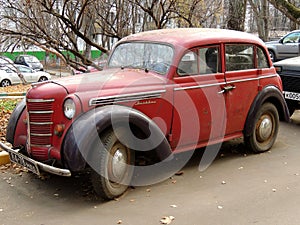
(9, 76)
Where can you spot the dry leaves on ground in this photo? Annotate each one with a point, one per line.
(7, 106)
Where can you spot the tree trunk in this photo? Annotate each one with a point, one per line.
(236, 15)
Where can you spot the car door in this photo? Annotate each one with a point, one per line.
(198, 106)
(241, 80)
(289, 46)
(12, 75)
(27, 73)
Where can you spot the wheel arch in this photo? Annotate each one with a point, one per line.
(269, 94)
(14, 120)
(78, 140)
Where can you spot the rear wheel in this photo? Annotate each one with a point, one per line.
(43, 78)
(265, 129)
(272, 55)
(116, 168)
(5, 83)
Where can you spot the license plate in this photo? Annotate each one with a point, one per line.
(292, 95)
(24, 161)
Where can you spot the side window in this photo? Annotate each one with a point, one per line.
(291, 38)
(262, 61)
(209, 60)
(188, 64)
(239, 57)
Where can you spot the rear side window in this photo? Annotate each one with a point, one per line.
(239, 57)
(262, 60)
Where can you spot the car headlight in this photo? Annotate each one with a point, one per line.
(69, 108)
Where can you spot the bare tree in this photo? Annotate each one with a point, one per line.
(261, 10)
(236, 14)
(199, 13)
(53, 25)
(287, 8)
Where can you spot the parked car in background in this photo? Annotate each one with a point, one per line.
(9, 75)
(289, 71)
(286, 47)
(4, 61)
(162, 92)
(30, 61)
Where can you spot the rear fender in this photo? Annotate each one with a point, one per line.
(269, 94)
(83, 136)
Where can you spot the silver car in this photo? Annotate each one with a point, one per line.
(286, 47)
(9, 75)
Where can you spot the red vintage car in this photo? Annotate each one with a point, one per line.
(162, 92)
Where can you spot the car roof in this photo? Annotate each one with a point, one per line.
(187, 36)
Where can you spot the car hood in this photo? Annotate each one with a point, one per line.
(111, 82)
(289, 64)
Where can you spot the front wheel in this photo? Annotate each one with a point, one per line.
(5, 83)
(265, 129)
(116, 168)
(42, 79)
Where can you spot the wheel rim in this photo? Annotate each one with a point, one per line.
(43, 79)
(265, 128)
(118, 164)
(5, 83)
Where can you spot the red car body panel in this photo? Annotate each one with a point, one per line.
(191, 111)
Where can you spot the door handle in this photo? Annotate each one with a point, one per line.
(227, 89)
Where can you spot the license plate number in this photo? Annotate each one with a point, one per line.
(292, 95)
(24, 161)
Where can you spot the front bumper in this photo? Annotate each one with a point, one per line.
(33, 165)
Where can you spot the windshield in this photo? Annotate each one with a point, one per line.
(149, 56)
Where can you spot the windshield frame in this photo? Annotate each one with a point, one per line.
(167, 65)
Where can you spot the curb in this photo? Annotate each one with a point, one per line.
(4, 158)
(12, 94)
(4, 95)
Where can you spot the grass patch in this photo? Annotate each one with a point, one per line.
(8, 104)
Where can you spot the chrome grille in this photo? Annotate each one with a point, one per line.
(40, 113)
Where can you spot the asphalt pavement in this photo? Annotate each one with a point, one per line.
(237, 189)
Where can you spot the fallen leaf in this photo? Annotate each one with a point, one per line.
(167, 219)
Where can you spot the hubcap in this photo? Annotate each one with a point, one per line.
(119, 164)
(265, 128)
(5, 83)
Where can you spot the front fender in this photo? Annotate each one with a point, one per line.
(79, 141)
(269, 94)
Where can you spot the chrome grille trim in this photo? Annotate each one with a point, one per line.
(39, 146)
(41, 124)
(40, 113)
(41, 135)
(40, 100)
